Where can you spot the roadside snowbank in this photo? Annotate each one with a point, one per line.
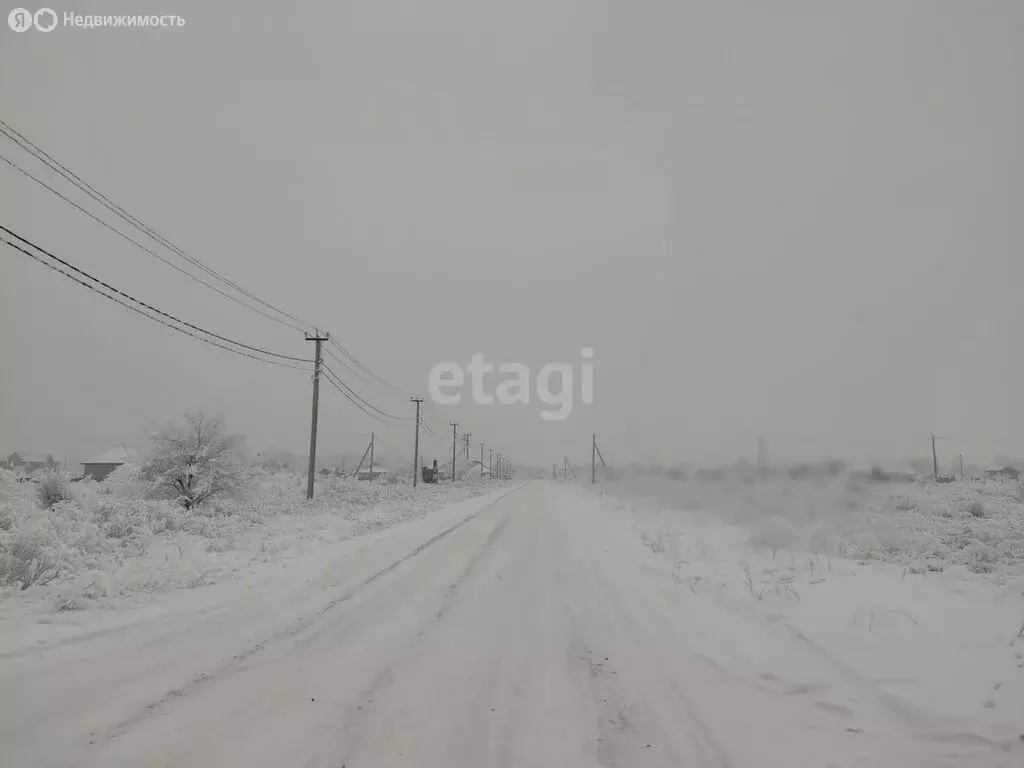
(935, 645)
(107, 541)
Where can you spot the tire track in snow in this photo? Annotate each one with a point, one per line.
(293, 629)
(386, 675)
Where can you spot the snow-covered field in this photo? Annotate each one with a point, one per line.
(923, 525)
(534, 624)
(913, 592)
(108, 544)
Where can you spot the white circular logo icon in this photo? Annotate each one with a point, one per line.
(45, 19)
(19, 19)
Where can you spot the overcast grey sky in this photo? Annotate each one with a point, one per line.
(802, 219)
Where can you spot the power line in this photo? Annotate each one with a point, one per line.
(355, 372)
(350, 393)
(40, 154)
(142, 247)
(358, 364)
(149, 306)
(28, 145)
(116, 300)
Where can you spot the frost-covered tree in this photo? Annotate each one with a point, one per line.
(193, 462)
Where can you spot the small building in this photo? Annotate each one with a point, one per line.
(1003, 473)
(30, 462)
(103, 465)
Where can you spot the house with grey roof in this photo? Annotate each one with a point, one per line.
(102, 465)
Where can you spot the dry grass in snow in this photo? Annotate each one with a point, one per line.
(79, 543)
(925, 526)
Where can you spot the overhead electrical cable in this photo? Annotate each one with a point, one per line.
(149, 306)
(42, 155)
(127, 305)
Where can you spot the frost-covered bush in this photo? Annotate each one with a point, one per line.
(976, 508)
(28, 557)
(52, 488)
(194, 463)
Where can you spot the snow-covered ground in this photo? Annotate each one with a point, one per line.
(108, 545)
(914, 593)
(537, 624)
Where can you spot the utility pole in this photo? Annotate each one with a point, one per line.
(455, 426)
(316, 407)
(593, 459)
(371, 458)
(416, 450)
(497, 465)
(465, 439)
(935, 458)
(481, 462)
(961, 467)
(490, 463)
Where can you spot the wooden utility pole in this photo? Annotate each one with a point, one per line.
(935, 458)
(465, 439)
(455, 427)
(416, 450)
(316, 337)
(371, 458)
(490, 463)
(361, 460)
(481, 461)
(961, 467)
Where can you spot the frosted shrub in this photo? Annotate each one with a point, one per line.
(29, 557)
(52, 488)
(976, 508)
(125, 482)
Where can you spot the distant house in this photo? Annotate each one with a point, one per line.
(378, 474)
(1003, 473)
(101, 466)
(30, 462)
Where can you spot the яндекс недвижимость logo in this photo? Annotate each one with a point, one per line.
(22, 19)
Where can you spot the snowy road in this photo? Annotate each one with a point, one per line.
(528, 628)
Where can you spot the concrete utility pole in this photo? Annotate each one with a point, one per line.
(497, 465)
(935, 458)
(490, 463)
(316, 407)
(455, 426)
(416, 450)
(465, 439)
(481, 461)
(371, 458)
